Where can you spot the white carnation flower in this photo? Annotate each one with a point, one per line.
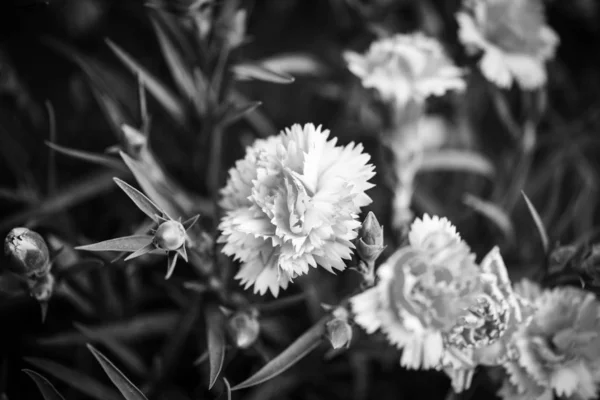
(293, 203)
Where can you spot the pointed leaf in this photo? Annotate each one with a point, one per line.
(538, 223)
(183, 253)
(215, 334)
(227, 388)
(140, 200)
(127, 389)
(144, 250)
(94, 158)
(457, 160)
(83, 383)
(188, 223)
(43, 310)
(162, 94)
(306, 343)
(494, 213)
(260, 72)
(236, 113)
(295, 64)
(45, 387)
(126, 243)
(172, 260)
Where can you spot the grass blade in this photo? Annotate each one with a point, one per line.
(236, 113)
(46, 388)
(306, 343)
(99, 159)
(127, 389)
(457, 160)
(492, 212)
(259, 72)
(538, 223)
(83, 383)
(215, 334)
(125, 243)
(141, 201)
(162, 94)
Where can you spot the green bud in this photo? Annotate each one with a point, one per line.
(170, 235)
(28, 253)
(339, 331)
(370, 239)
(244, 328)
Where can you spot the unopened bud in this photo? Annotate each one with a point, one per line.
(370, 239)
(28, 253)
(244, 328)
(170, 235)
(339, 331)
(42, 288)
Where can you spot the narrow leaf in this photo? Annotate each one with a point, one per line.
(172, 261)
(183, 253)
(127, 389)
(227, 388)
(188, 223)
(260, 72)
(83, 383)
(306, 343)
(295, 64)
(457, 160)
(538, 223)
(236, 113)
(493, 212)
(215, 334)
(144, 250)
(45, 387)
(162, 94)
(140, 200)
(126, 243)
(94, 158)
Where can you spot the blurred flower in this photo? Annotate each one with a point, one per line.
(434, 302)
(559, 351)
(28, 253)
(243, 327)
(405, 67)
(339, 331)
(514, 38)
(291, 203)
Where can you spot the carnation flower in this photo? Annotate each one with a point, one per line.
(406, 67)
(513, 36)
(559, 351)
(293, 203)
(433, 301)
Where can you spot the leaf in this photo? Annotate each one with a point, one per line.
(306, 343)
(215, 334)
(140, 200)
(538, 223)
(144, 250)
(83, 383)
(295, 64)
(227, 388)
(94, 158)
(162, 94)
(127, 389)
(45, 387)
(172, 261)
(126, 243)
(236, 113)
(493, 212)
(188, 223)
(256, 71)
(457, 160)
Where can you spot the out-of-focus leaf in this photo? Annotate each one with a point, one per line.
(215, 334)
(94, 158)
(162, 94)
(127, 356)
(306, 343)
(141, 201)
(227, 388)
(256, 71)
(538, 224)
(46, 388)
(493, 212)
(136, 328)
(259, 121)
(234, 114)
(126, 243)
(83, 383)
(295, 64)
(127, 389)
(457, 160)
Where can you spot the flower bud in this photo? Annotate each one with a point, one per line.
(170, 235)
(42, 289)
(339, 331)
(370, 239)
(28, 253)
(243, 327)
